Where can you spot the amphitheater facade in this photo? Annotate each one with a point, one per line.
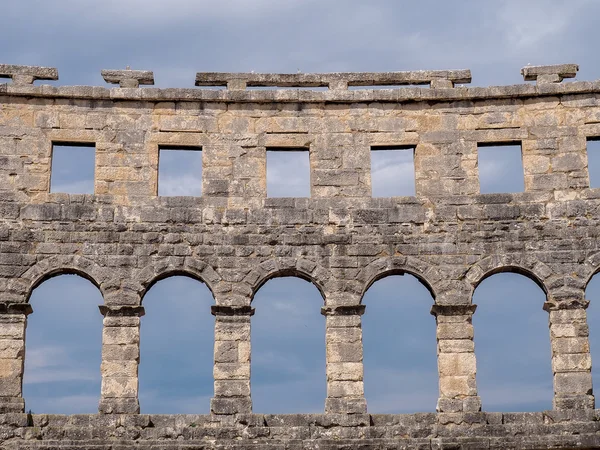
(234, 238)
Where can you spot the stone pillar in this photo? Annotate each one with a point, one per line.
(120, 359)
(571, 360)
(343, 340)
(13, 321)
(232, 360)
(456, 358)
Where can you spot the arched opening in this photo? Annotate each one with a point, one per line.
(288, 348)
(176, 347)
(400, 365)
(512, 344)
(64, 347)
(592, 293)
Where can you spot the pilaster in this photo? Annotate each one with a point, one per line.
(571, 360)
(343, 338)
(456, 358)
(120, 359)
(232, 360)
(13, 322)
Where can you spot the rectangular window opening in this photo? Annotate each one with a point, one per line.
(179, 171)
(500, 167)
(393, 171)
(593, 155)
(72, 168)
(288, 172)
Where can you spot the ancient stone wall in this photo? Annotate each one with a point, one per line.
(233, 238)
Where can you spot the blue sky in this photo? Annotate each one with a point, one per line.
(176, 39)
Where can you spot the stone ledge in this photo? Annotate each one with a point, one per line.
(400, 95)
(335, 81)
(543, 430)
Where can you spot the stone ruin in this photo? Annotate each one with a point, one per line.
(234, 238)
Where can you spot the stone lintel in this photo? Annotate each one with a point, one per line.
(220, 310)
(452, 310)
(27, 74)
(549, 74)
(553, 304)
(121, 311)
(343, 310)
(16, 308)
(129, 78)
(334, 81)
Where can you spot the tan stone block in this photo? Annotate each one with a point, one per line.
(568, 316)
(116, 321)
(457, 386)
(456, 364)
(343, 335)
(119, 387)
(341, 352)
(339, 389)
(244, 352)
(344, 371)
(459, 330)
(572, 362)
(120, 335)
(456, 346)
(12, 348)
(232, 331)
(15, 330)
(11, 368)
(342, 321)
(536, 164)
(232, 388)
(231, 371)
(115, 352)
(119, 368)
(573, 383)
(565, 330)
(570, 345)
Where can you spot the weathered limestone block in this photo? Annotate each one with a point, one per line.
(549, 74)
(457, 365)
(128, 78)
(23, 75)
(232, 360)
(13, 321)
(120, 359)
(344, 356)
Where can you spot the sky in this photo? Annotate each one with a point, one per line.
(178, 38)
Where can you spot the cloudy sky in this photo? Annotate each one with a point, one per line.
(176, 39)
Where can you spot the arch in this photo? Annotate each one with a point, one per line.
(512, 341)
(398, 265)
(590, 268)
(165, 268)
(288, 349)
(61, 265)
(300, 268)
(527, 266)
(63, 344)
(177, 323)
(399, 342)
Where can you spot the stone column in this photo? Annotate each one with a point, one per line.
(232, 360)
(13, 321)
(456, 358)
(343, 340)
(571, 360)
(120, 359)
